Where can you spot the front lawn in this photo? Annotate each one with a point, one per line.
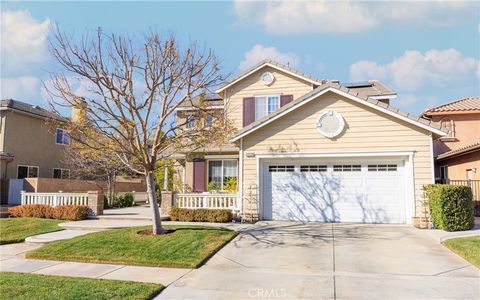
(467, 247)
(33, 286)
(15, 230)
(187, 247)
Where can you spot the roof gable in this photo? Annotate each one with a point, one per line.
(274, 65)
(347, 93)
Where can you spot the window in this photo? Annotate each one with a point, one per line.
(265, 105)
(62, 137)
(209, 120)
(61, 173)
(449, 126)
(191, 122)
(281, 168)
(221, 172)
(347, 168)
(381, 168)
(443, 172)
(313, 168)
(27, 172)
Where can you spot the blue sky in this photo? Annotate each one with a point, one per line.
(427, 51)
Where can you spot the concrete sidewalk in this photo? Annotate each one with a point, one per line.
(13, 260)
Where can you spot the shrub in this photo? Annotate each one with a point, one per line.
(64, 212)
(201, 215)
(125, 200)
(451, 206)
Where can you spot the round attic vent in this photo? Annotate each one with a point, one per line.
(267, 78)
(330, 124)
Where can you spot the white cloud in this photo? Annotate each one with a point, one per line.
(260, 52)
(23, 40)
(299, 17)
(19, 88)
(414, 70)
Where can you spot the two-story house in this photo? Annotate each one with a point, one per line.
(457, 155)
(29, 146)
(310, 149)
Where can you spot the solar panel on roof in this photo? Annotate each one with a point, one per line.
(358, 84)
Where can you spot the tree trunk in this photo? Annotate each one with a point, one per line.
(156, 223)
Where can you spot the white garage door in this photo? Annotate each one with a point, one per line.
(367, 192)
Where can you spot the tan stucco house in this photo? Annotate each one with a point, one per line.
(309, 149)
(29, 147)
(457, 155)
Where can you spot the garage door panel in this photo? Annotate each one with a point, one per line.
(326, 195)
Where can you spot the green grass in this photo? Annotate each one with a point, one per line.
(187, 247)
(33, 286)
(466, 247)
(15, 230)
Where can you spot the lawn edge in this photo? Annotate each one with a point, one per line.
(458, 254)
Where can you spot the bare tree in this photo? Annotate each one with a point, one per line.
(131, 90)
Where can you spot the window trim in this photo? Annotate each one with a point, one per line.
(28, 170)
(63, 132)
(61, 173)
(444, 167)
(221, 181)
(279, 96)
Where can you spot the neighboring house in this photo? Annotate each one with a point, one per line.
(29, 147)
(310, 149)
(457, 155)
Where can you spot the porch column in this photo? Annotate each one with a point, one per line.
(165, 175)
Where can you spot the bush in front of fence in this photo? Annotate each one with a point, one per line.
(451, 206)
(201, 215)
(125, 200)
(62, 212)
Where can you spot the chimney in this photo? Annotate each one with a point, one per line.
(79, 110)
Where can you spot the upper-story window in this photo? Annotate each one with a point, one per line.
(265, 105)
(448, 125)
(62, 137)
(191, 122)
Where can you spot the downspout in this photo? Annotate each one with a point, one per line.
(240, 175)
(432, 162)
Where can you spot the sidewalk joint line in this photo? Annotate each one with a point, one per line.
(118, 268)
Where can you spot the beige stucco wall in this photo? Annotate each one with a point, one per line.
(457, 166)
(467, 129)
(367, 131)
(284, 84)
(32, 143)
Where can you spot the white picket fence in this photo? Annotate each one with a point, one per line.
(211, 201)
(54, 199)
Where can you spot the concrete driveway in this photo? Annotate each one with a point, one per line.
(330, 261)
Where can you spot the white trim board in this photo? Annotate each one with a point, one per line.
(267, 64)
(346, 95)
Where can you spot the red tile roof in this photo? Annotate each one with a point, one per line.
(465, 104)
(475, 145)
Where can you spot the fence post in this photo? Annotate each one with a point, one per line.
(205, 201)
(22, 198)
(95, 202)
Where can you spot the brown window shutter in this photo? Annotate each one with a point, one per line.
(199, 176)
(248, 110)
(285, 99)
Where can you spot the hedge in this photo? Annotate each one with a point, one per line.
(63, 212)
(451, 206)
(125, 200)
(201, 215)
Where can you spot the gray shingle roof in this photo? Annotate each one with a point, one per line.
(30, 109)
(342, 88)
